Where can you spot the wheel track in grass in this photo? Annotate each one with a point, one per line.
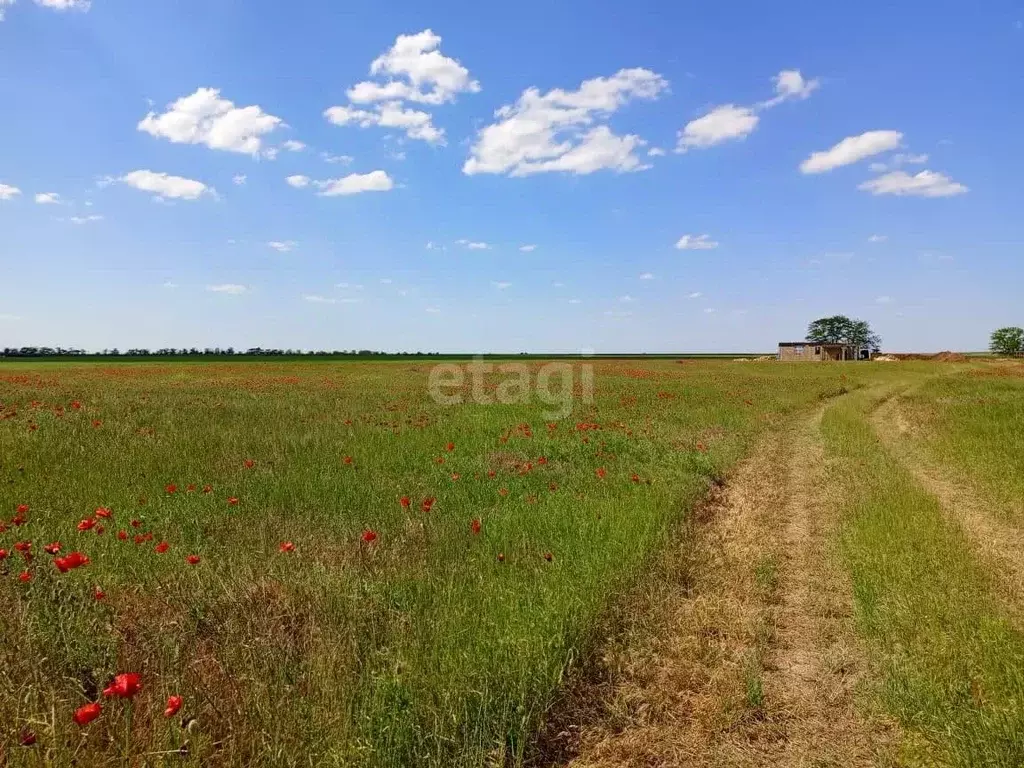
(1000, 545)
(756, 662)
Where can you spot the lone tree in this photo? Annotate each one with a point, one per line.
(839, 329)
(1007, 341)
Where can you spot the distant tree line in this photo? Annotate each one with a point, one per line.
(196, 352)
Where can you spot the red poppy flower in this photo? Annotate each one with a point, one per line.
(25, 577)
(139, 538)
(96, 423)
(162, 547)
(542, 460)
(456, 476)
(439, 460)
(124, 686)
(22, 509)
(122, 535)
(100, 530)
(600, 472)
(173, 705)
(635, 478)
(207, 488)
(548, 556)
(27, 737)
(428, 503)
(501, 557)
(249, 463)
(233, 500)
(192, 559)
(287, 546)
(19, 520)
(369, 536)
(23, 546)
(76, 405)
(450, 447)
(405, 501)
(474, 526)
(171, 488)
(52, 549)
(136, 523)
(190, 487)
(348, 459)
(86, 713)
(3, 554)
(103, 512)
(70, 562)
(99, 594)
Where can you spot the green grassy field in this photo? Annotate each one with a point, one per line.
(377, 579)
(950, 657)
(440, 642)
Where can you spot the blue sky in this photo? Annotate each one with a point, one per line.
(126, 129)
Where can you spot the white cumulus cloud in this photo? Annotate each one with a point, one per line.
(232, 289)
(298, 181)
(293, 145)
(315, 299)
(416, 123)
(646, 276)
(355, 183)
(528, 248)
(65, 5)
(48, 198)
(563, 130)
(283, 246)
(696, 243)
(923, 184)
(424, 74)
(327, 157)
(501, 286)
(791, 85)
(3, 7)
(417, 72)
(166, 186)
(851, 150)
(733, 122)
(239, 179)
(473, 245)
(85, 219)
(724, 123)
(878, 238)
(7, 192)
(206, 118)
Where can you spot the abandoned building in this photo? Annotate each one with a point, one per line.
(813, 352)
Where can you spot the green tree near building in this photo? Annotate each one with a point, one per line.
(840, 329)
(1007, 341)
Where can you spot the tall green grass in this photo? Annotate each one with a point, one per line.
(973, 425)
(421, 648)
(951, 663)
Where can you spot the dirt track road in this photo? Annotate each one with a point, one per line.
(756, 664)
